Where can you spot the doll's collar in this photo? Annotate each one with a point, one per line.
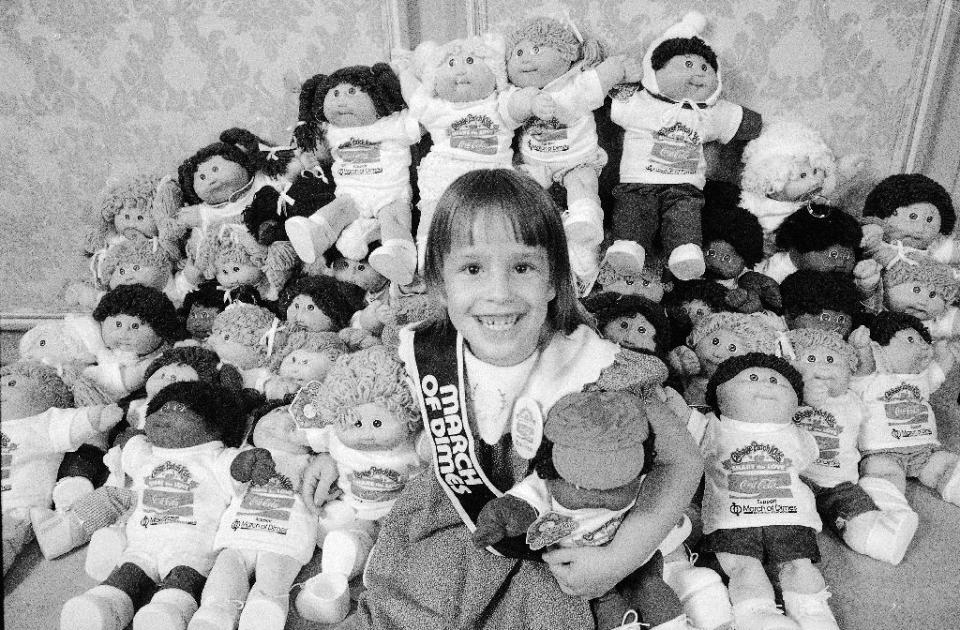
(685, 103)
(237, 194)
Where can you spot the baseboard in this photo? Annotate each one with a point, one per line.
(19, 322)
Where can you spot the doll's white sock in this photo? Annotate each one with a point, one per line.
(68, 490)
(886, 533)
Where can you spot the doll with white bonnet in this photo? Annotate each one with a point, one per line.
(662, 170)
(245, 336)
(359, 113)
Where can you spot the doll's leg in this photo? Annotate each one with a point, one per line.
(60, 532)
(943, 473)
(16, 535)
(396, 258)
(645, 591)
(174, 603)
(885, 467)
(345, 550)
(872, 517)
(636, 220)
(752, 594)
(313, 235)
(109, 606)
(680, 231)
(805, 595)
(224, 593)
(269, 600)
(80, 472)
(583, 219)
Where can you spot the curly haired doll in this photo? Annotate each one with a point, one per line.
(202, 305)
(359, 113)
(631, 321)
(305, 355)
(39, 424)
(662, 171)
(320, 303)
(914, 212)
(823, 300)
(925, 289)
(245, 336)
(785, 168)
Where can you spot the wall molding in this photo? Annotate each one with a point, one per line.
(19, 322)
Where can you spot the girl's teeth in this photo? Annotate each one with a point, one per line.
(500, 322)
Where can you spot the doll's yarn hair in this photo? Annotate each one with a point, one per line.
(676, 46)
(142, 251)
(488, 48)
(338, 300)
(310, 341)
(208, 294)
(204, 362)
(146, 193)
(736, 226)
(235, 244)
(378, 81)
(608, 306)
(729, 368)
(373, 375)
(711, 293)
(758, 330)
(145, 303)
(808, 292)
(923, 270)
(776, 155)
(545, 31)
(886, 324)
(219, 407)
(267, 158)
(897, 191)
(249, 325)
(188, 168)
(801, 339)
(818, 227)
(54, 390)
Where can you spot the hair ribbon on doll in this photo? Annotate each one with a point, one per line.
(269, 337)
(786, 348)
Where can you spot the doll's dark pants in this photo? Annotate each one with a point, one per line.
(133, 581)
(643, 591)
(87, 462)
(642, 211)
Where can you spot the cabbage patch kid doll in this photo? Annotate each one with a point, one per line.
(204, 303)
(39, 424)
(563, 79)
(824, 300)
(320, 303)
(899, 438)
(691, 301)
(756, 509)
(306, 355)
(181, 474)
(232, 256)
(871, 516)
(662, 171)
(245, 336)
(359, 112)
(927, 290)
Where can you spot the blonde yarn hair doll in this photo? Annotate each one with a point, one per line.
(231, 255)
(305, 355)
(246, 336)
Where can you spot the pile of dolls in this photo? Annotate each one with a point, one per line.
(227, 398)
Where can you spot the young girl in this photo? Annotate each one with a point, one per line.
(517, 338)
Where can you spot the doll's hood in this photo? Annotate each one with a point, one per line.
(692, 24)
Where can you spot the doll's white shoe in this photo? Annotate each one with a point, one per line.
(215, 616)
(101, 608)
(583, 223)
(57, 533)
(686, 262)
(761, 614)
(701, 591)
(170, 609)
(626, 257)
(810, 610)
(104, 551)
(309, 236)
(263, 612)
(354, 241)
(395, 260)
(68, 490)
(345, 552)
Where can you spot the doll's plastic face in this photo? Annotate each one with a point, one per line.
(172, 373)
(306, 365)
(827, 319)
(177, 426)
(373, 427)
(303, 312)
(200, 320)
(696, 310)
(346, 105)
(218, 178)
(758, 394)
(235, 274)
(359, 273)
(687, 77)
(805, 183)
(232, 351)
(907, 353)
(916, 225)
(463, 77)
(646, 284)
(133, 222)
(535, 65)
(129, 334)
(915, 298)
(140, 273)
(21, 396)
(717, 347)
(834, 258)
(822, 366)
(722, 260)
(634, 332)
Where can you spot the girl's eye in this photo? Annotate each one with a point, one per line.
(377, 423)
(716, 341)
(522, 268)
(754, 377)
(829, 359)
(472, 269)
(469, 63)
(773, 379)
(811, 358)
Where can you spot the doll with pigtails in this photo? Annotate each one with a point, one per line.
(359, 114)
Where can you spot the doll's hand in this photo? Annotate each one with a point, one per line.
(189, 216)
(81, 294)
(849, 165)
(318, 482)
(504, 517)
(401, 60)
(866, 275)
(192, 274)
(872, 237)
(683, 361)
(815, 392)
(544, 107)
(254, 465)
(108, 418)
(369, 320)
(357, 339)
(859, 338)
(277, 387)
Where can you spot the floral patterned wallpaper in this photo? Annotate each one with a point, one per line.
(93, 90)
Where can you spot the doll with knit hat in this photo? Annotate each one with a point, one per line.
(359, 113)
(756, 508)
(562, 78)
(926, 289)
(870, 514)
(245, 336)
(39, 423)
(662, 172)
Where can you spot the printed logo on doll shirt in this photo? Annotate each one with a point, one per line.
(475, 133)
(546, 136)
(357, 156)
(759, 471)
(266, 507)
(904, 405)
(168, 496)
(676, 150)
(826, 431)
(7, 449)
(376, 484)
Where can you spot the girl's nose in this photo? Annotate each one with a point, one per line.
(497, 285)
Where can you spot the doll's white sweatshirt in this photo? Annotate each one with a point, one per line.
(835, 424)
(900, 415)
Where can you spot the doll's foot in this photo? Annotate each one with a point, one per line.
(395, 260)
(310, 237)
(686, 262)
(583, 263)
(215, 616)
(68, 490)
(57, 533)
(950, 490)
(761, 614)
(265, 612)
(701, 591)
(104, 551)
(354, 241)
(810, 610)
(883, 535)
(583, 223)
(170, 609)
(625, 257)
(101, 608)
(345, 552)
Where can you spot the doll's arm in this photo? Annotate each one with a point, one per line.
(591, 571)
(503, 517)
(402, 64)
(611, 71)
(945, 354)
(255, 464)
(276, 387)
(368, 319)
(866, 276)
(319, 481)
(860, 340)
(765, 287)
(684, 361)
(520, 103)
(190, 216)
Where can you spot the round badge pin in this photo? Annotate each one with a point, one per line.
(526, 427)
